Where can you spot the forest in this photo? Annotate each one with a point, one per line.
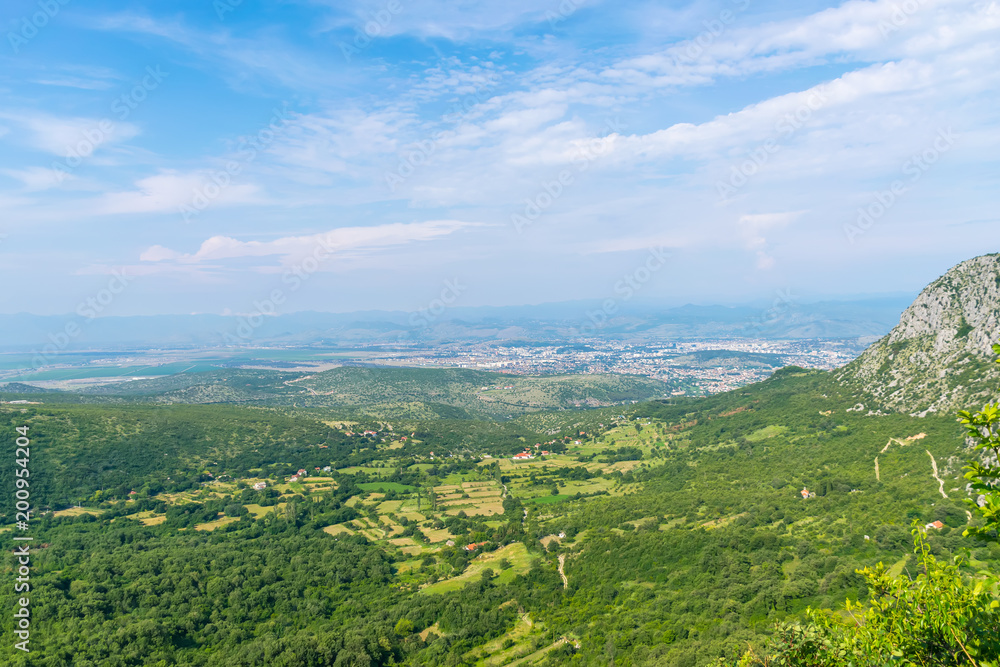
(679, 531)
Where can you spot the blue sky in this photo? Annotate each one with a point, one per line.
(348, 156)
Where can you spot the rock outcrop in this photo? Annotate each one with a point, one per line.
(939, 357)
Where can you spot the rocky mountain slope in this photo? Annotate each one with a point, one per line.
(939, 357)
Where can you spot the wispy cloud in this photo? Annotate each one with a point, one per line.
(345, 241)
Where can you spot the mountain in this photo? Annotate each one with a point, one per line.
(939, 357)
(783, 319)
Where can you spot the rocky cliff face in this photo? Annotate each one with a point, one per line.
(939, 357)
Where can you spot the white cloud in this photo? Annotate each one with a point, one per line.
(80, 137)
(752, 228)
(344, 241)
(170, 190)
(37, 178)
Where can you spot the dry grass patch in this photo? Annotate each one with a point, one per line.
(259, 510)
(76, 511)
(482, 509)
(434, 628)
(438, 535)
(338, 529)
(218, 523)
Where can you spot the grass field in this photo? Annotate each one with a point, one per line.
(387, 486)
(218, 523)
(76, 511)
(259, 511)
(545, 500)
(517, 554)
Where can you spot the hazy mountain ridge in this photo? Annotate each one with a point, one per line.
(939, 357)
(552, 322)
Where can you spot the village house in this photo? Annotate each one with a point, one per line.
(260, 486)
(474, 546)
(523, 456)
(934, 525)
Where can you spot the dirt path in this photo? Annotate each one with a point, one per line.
(901, 443)
(934, 474)
(562, 571)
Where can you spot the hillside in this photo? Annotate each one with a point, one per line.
(938, 358)
(685, 533)
(727, 359)
(421, 393)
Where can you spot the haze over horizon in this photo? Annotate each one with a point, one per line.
(362, 156)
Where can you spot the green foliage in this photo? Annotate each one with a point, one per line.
(984, 476)
(944, 616)
(689, 551)
(938, 618)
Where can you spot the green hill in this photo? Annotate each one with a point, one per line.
(393, 392)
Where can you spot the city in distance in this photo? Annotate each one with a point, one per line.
(400, 333)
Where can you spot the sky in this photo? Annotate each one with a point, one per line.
(232, 156)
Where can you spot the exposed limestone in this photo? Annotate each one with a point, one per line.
(939, 357)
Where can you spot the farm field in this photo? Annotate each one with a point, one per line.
(516, 554)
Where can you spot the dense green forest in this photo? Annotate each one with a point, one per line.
(673, 532)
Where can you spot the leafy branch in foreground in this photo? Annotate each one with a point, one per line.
(984, 429)
(937, 618)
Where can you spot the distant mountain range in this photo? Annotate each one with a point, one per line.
(557, 322)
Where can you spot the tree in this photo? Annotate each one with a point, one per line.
(940, 617)
(984, 430)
